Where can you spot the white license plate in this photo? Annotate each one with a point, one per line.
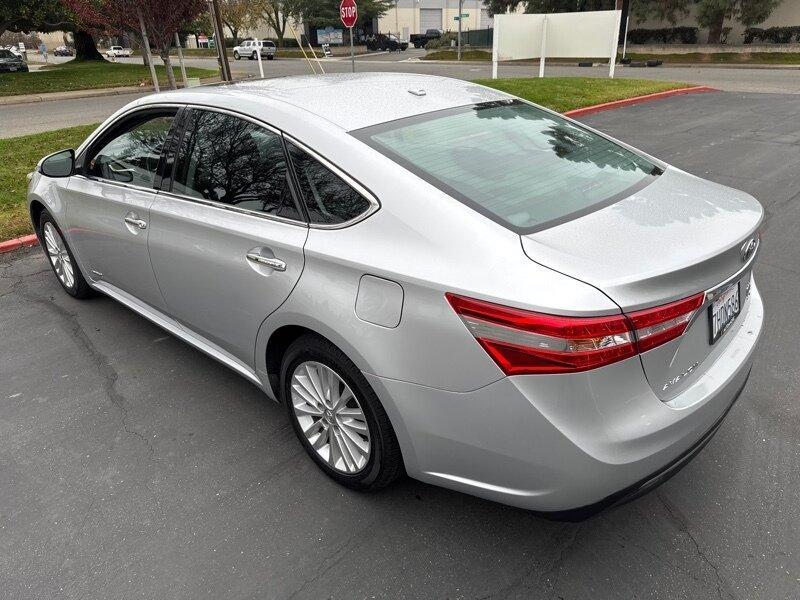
(723, 312)
(12, 69)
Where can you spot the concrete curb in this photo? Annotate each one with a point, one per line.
(30, 98)
(32, 240)
(91, 93)
(588, 110)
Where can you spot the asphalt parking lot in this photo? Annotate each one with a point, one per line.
(133, 466)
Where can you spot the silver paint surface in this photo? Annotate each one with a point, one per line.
(545, 442)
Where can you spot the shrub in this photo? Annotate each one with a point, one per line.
(441, 42)
(774, 35)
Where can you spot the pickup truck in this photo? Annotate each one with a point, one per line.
(249, 49)
(420, 39)
(116, 51)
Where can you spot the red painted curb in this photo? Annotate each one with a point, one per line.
(588, 110)
(28, 240)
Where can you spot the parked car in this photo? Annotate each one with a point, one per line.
(63, 51)
(118, 51)
(249, 49)
(453, 283)
(11, 62)
(420, 39)
(384, 42)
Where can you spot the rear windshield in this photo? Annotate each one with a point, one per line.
(7, 53)
(517, 164)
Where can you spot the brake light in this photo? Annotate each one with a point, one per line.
(526, 342)
(659, 325)
(522, 342)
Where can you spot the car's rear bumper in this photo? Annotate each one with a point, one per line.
(566, 445)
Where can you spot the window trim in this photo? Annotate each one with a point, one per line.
(375, 204)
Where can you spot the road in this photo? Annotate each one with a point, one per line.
(135, 466)
(33, 118)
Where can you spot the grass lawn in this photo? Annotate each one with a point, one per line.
(559, 93)
(20, 156)
(453, 55)
(565, 93)
(731, 58)
(86, 75)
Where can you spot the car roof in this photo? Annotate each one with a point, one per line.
(350, 100)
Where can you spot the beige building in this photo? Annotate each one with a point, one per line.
(786, 14)
(417, 16)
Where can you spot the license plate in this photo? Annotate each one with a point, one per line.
(12, 69)
(723, 312)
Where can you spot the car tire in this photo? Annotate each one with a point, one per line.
(383, 462)
(254, 56)
(236, 56)
(270, 56)
(61, 259)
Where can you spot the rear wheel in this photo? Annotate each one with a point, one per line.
(253, 56)
(337, 416)
(61, 258)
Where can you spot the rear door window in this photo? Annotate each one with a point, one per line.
(235, 162)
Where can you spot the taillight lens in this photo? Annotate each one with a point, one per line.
(659, 325)
(525, 342)
(522, 342)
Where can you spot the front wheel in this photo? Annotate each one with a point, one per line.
(61, 258)
(270, 56)
(236, 56)
(253, 56)
(337, 416)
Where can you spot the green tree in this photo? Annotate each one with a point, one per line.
(46, 16)
(237, 15)
(713, 13)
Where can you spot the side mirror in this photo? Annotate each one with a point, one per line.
(59, 164)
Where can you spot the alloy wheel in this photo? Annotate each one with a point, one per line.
(59, 256)
(330, 417)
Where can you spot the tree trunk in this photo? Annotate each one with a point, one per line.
(85, 48)
(168, 66)
(715, 28)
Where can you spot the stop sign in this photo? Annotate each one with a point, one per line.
(348, 12)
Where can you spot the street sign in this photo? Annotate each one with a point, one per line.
(463, 16)
(348, 12)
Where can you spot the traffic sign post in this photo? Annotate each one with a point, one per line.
(348, 13)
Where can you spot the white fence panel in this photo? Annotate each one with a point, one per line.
(563, 35)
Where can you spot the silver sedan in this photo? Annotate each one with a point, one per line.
(434, 277)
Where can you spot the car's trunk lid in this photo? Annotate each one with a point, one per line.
(678, 236)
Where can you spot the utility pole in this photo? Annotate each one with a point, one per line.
(216, 19)
(146, 43)
(460, 13)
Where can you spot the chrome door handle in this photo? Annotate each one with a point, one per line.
(141, 224)
(273, 263)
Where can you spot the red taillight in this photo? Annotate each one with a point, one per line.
(520, 341)
(525, 342)
(659, 325)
